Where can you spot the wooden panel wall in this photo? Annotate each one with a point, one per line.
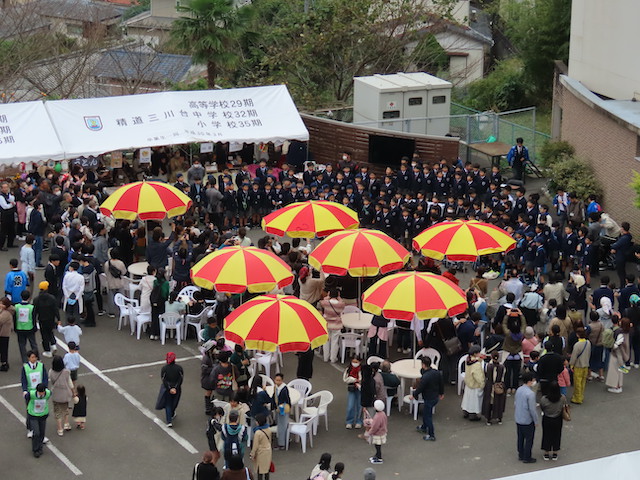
(329, 138)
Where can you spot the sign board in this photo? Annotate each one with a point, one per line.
(206, 147)
(145, 155)
(116, 159)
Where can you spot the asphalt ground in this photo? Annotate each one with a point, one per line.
(125, 438)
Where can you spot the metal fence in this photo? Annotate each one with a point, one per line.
(474, 126)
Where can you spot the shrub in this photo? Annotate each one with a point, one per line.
(505, 88)
(635, 186)
(553, 151)
(574, 175)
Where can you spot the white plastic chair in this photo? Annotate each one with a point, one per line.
(302, 428)
(127, 308)
(325, 397)
(139, 322)
(201, 334)
(171, 321)
(351, 309)
(374, 358)
(390, 400)
(461, 373)
(391, 328)
(222, 404)
(188, 291)
(132, 286)
(414, 404)
(304, 388)
(432, 353)
(350, 340)
(197, 321)
(266, 359)
(267, 381)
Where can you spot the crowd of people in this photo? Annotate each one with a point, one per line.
(532, 329)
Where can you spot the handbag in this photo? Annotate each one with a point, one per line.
(566, 412)
(272, 467)
(498, 388)
(452, 346)
(161, 401)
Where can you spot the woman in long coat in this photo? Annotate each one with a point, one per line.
(261, 452)
(493, 403)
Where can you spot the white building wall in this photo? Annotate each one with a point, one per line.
(603, 51)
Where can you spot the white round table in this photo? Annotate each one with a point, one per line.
(357, 321)
(138, 269)
(406, 369)
(294, 394)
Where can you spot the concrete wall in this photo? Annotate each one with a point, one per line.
(604, 40)
(164, 8)
(609, 146)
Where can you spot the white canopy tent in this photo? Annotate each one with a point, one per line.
(623, 466)
(98, 125)
(27, 134)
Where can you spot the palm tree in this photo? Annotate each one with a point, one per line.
(209, 30)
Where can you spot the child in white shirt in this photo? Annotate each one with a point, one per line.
(71, 332)
(72, 361)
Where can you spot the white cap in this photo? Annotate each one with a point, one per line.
(379, 405)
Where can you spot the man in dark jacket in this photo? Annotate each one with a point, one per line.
(51, 275)
(622, 249)
(157, 254)
(47, 313)
(431, 388)
(550, 366)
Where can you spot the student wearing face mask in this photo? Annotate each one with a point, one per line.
(526, 417)
(352, 376)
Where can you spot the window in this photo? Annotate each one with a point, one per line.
(391, 114)
(439, 99)
(415, 101)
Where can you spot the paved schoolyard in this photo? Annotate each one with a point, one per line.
(125, 438)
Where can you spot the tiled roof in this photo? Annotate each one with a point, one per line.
(149, 67)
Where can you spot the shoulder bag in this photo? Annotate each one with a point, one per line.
(452, 345)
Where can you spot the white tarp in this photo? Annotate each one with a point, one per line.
(26, 134)
(620, 467)
(97, 125)
(57, 129)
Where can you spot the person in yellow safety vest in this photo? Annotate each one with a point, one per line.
(38, 411)
(33, 373)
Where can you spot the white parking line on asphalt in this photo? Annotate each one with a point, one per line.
(61, 456)
(116, 369)
(183, 442)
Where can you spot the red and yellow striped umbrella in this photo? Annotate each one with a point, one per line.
(360, 253)
(238, 269)
(402, 295)
(308, 219)
(270, 321)
(146, 200)
(462, 240)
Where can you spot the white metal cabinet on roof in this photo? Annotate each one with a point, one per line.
(403, 102)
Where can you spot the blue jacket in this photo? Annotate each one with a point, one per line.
(15, 283)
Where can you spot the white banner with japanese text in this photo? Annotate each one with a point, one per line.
(243, 115)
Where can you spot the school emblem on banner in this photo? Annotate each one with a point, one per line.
(93, 123)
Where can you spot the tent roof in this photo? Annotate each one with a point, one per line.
(59, 129)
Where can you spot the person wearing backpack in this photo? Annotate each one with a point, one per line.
(234, 437)
(114, 270)
(159, 295)
(580, 365)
